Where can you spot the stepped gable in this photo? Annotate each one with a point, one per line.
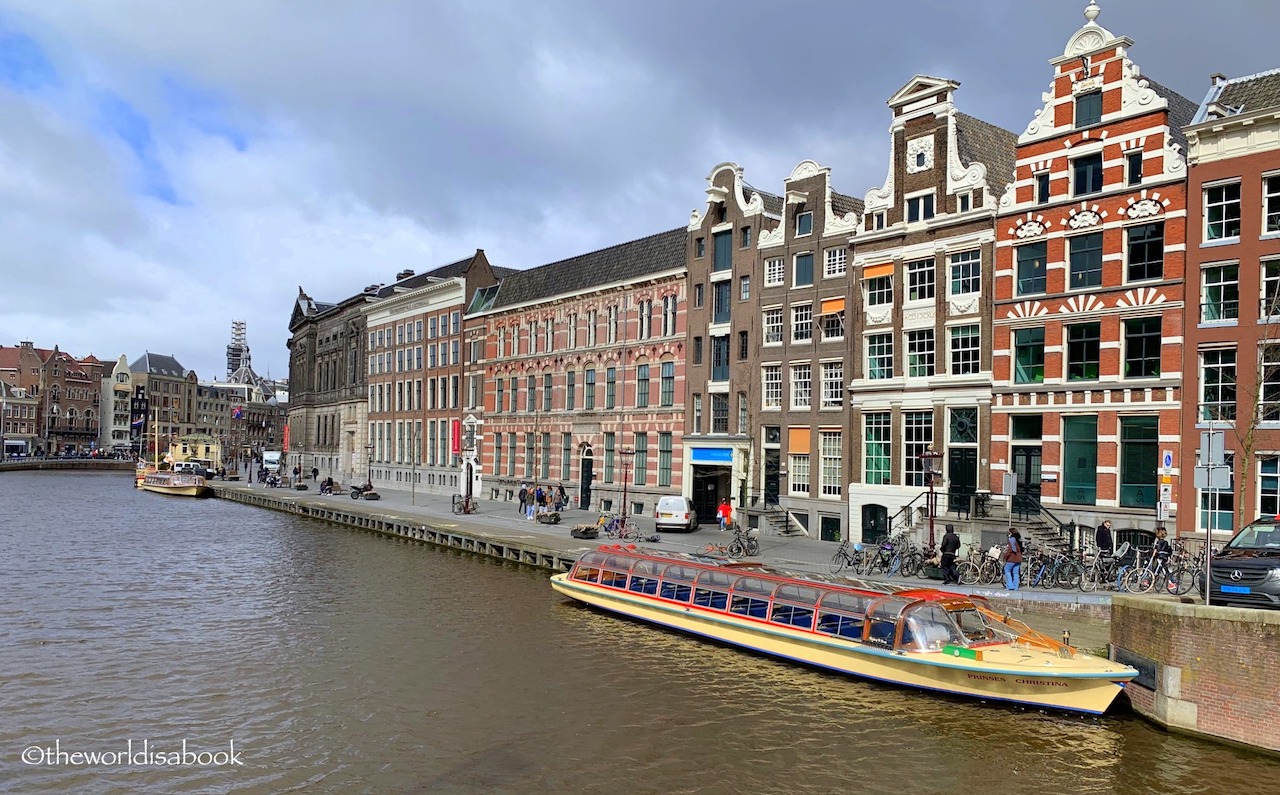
(620, 263)
(994, 147)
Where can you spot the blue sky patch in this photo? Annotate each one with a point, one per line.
(23, 63)
(120, 118)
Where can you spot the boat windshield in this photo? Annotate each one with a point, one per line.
(973, 626)
(927, 627)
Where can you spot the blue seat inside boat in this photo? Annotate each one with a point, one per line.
(882, 632)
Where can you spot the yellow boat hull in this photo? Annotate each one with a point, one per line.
(1008, 672)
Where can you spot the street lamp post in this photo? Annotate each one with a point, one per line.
(932, 460)
(368, 459)
(626, 454)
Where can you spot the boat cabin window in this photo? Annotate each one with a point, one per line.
(927, 627)
(842, 624)
(793, 615)
(882, 620)
(799, 594)
(586, 573)
(615, 579)
(751, 597)
(972, 626)
(650, 568)
(642, 584)
(712, 589)
(619, 562)
(676, 583)
(848, 602)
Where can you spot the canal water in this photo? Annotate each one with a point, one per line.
(344, 662)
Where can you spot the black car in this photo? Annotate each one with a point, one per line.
(1247, 570)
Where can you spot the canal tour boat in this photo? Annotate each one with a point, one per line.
(916, 637)
(180, 484)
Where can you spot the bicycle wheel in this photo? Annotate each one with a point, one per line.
(1181, 581)
(753, 547)
(1137, 581)
(838, 561)
(1090, 580)
(912, 564)
(969, 573)
(1069, 575)
(457, 505)
(735, 549)
(992, 572)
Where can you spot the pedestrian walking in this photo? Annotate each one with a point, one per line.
(562, 499)
(1013, 560)
(950, 546)
(524, 497)
(725, 513)
(315, 474)
(1103, 539)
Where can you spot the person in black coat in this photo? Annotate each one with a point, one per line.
(950, 546)
(1103, 540)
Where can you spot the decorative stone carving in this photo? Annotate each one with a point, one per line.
(695, 221)
(964, 306)
(882, 197)
(1144, 208)
(878, 318)
(1027, 229)
(805, 169)
(1083, 219)
(770, 238)
(920, 154)
(1089, 40)
(919, 317)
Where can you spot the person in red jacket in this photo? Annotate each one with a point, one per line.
(725, 512)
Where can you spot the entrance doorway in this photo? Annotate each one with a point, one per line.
(584, 487)
(772, 481)
(1026, 467)
(710, 485)
(962, 469)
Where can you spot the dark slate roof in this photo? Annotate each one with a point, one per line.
(1253, 92)
(418, 280)
(773, 205)
(992, 146)
(842, 205)
(158, 364)
(620, 263)
(1242, 95)
(1181, 112)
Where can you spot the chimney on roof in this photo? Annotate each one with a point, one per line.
(404, 274)
(1216, 79)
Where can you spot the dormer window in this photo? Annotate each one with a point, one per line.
(722, 213)
(1089, 109)
(804, 223)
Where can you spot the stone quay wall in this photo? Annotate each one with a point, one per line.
(1211, 671)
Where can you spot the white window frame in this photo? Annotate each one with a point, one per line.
(1224, 204)
(922, 275)
(1227, 410)
(885, 352)
(830, 444)
(771, 378)
(1270, 204)
(771, 323)
(802, 385)
(798, 474)
(802, 323)
(920, 197)
(809, 215)
(959, 263)
(832, 385)
(922, 343)
(775, 272)
(878, 287)
(965, 350)
(835, 262)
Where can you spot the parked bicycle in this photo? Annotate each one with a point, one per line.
(465, 503)
(744, 543)
(617, 527)
(1106, 570)
(848, 555)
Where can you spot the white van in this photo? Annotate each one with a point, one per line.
(675, 513)
(271, 461)
(188, 468)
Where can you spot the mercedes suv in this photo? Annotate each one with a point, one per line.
(1247, 570)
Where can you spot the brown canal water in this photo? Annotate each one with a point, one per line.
(344, 662)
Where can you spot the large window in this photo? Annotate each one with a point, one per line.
(804, 223)
(920, 280)
(1146, 252)
(966, 351)
(720, 358)
(877, 430)
(1028, 356)
(1083, 351)
(610, 387)
(1222, 211)
(1269, 400)
(722, 251)
(879, 291)
(719, 413)
(1089, 109)
(570, 390)
(1088, 174)
(1080, 460)
(1268, 485)
(773, 272)
(1220, 292)
(829, 446)
(835, 262)
(802, 323)
(610, 451)
(720, 301)
(1042, 187)
(833, 325)
(966, 272)
(920, 353)
(1133, 168)
(879, 356)
(1139, 455)
(804, 270)
(697, 412)
(798, 477)
(772, 326)
(589, 390)
(1270, 306)
(920, 208)
(1271, 204)
(667, 390)
(832, 384)
(1031, 268)
(641, 467)
(1086, 260)
(917, 430)
(801, 386)
(771, 375)
(1217, 384)
(642, 386)
(664, 459)
(1142, 347)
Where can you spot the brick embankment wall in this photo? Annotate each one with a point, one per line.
(1209, 670)
(79, 464)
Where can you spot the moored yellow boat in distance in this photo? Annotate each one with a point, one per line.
(180, 484)
(922, 637)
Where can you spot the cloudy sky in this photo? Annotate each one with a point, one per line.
(169, 166)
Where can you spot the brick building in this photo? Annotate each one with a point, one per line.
(68, 391)
(920, 361)
(170, 391)
(1089, 291)
(583, 361)
(1232, 343)
(19, 413)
